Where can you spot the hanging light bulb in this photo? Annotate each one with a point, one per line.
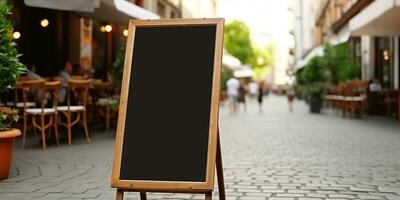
(385, 55)
(44, 23)
(108, 28)
(16, 35)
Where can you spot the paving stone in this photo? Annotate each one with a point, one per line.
(309, 198)
(289, 195)
(369, 197)
(362, 189)
(389, 189)
(341, 196)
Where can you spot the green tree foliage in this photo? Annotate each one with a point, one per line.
(237, 41)
(10, 66)
(340, 63)
(261, 59)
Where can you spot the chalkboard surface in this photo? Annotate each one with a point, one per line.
(168, 111)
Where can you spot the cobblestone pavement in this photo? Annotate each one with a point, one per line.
(273, 155)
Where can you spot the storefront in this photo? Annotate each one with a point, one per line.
(379, 26)
(51, 33)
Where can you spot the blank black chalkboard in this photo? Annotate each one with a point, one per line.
(167, 126)
(167, 119)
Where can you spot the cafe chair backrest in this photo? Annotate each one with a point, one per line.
(33, 85)
(80, 90)
(53, 89)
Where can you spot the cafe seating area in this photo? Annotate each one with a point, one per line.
(87, 102)
(354, 99)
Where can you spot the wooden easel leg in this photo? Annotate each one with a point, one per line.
(220, 171)
(143, 196)
(120, 195)
(208, 195)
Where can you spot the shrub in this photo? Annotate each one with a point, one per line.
(10, 66)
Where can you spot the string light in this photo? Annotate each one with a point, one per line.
(44, 23)
(16, 35)
(108, 28)
(125, 32)
(385, 55)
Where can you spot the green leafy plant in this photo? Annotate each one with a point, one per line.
(118, 67)
(10, 66)
(340, 63)
(237, 41)
(8, 117)
(313, 79)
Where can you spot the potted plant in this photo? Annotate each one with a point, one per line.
(10, 70)
(312, 81)
(8, 117)
(315, 93)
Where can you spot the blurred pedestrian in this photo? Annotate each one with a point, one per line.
(260, 95)
(290, 96)
(242, 95)
(253, 89)
(232, 86)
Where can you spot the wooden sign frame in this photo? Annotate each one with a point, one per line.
(213, 141)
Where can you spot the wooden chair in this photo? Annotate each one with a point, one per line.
(77, 89)
(18, 102)
(53, 89)
(40, 113)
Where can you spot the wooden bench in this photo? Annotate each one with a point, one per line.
(348, 97)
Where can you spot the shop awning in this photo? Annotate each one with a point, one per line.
(342, 36)
(119, 11)
(244, 72)
(380, 18)
(317, 51)
(230, 62)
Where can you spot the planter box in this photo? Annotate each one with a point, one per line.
(315, 105)
(6, 149)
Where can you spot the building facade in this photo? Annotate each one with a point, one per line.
(369, 26)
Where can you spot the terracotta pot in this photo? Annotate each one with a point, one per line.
(6, 149)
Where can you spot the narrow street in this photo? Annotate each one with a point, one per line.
(271, 155)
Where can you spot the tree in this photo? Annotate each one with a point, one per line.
(261, 59)
(10, 67)
(237, 41)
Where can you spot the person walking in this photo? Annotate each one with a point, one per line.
(260, 96)
(242, 95)
(290, 96)
(232, 86)
(253, 89)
